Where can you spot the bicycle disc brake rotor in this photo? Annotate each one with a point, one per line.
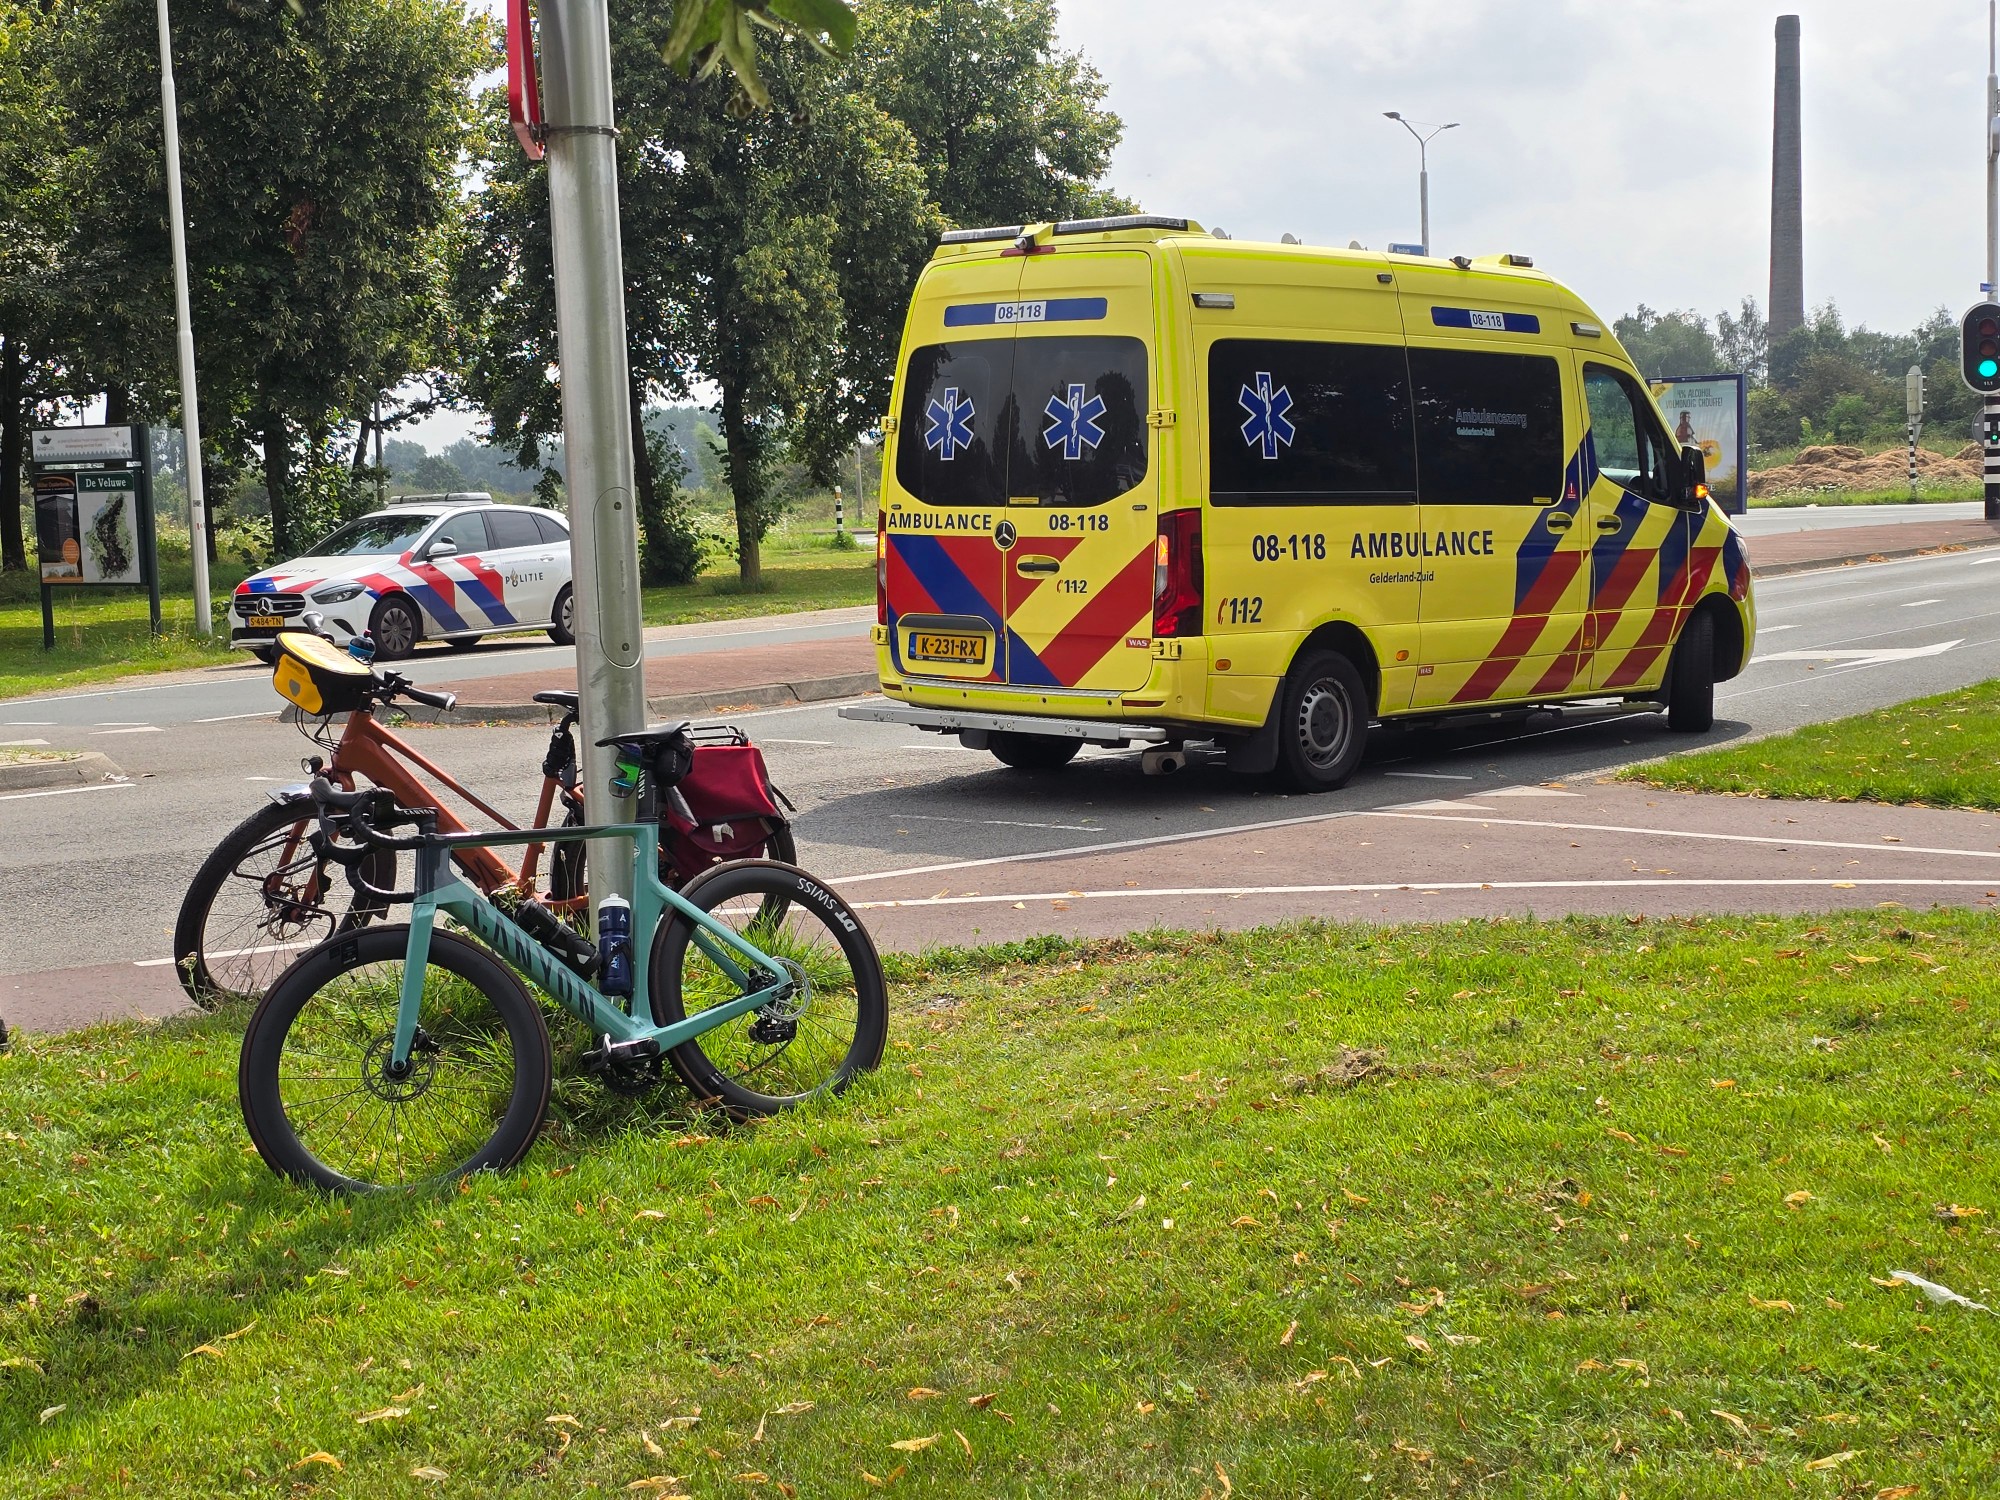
(417, 1075)
(778, 1020)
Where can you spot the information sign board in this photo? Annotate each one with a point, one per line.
(1706, 412)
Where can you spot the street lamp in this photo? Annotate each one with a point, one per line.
(1423, 166)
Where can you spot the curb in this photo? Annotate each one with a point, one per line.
(679, 706)
(80, 768)
(1855, 559)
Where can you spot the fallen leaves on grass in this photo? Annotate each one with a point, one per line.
(1835, 1460)
(915, 1444)
(654, 1483)
(1285, 1338)
(49, 1412)
(1734, 1421)
(921, 1393)
(321, 1457)
(886, 1480)
(1776, 1304)
(381, 1414)
(1798, 1199)
(429, 1471)
(791, 1408)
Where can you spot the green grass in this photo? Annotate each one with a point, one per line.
(800, 573)
(1937, 752)
(1594, 1208)
(1927, 493)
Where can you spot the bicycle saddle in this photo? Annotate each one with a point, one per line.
(652, 736)
(555, 699)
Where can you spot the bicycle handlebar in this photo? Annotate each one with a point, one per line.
(395, 685)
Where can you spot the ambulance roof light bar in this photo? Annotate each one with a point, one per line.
(1067, 226)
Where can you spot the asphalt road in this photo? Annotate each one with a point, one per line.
(90, 879)
(1772, 519)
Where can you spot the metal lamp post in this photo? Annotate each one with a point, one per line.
(1423, 167)
(190, 410)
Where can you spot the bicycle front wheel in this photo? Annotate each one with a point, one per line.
(260, 899)
(325, 1106)
(831, 1026)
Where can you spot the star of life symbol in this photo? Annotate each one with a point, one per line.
(1266, 427)
(950, 424)
(1073, 424)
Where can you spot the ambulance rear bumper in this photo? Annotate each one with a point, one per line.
(973, 727)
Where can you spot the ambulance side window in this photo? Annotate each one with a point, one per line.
(1489, 427)
(1296, 421)
(1631, 450)
(951, 447)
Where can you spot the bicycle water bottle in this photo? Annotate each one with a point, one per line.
(614, 945)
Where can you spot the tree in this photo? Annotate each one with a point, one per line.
(1673, 343)
(1010, 128)
(1744, 342)
(320, 140)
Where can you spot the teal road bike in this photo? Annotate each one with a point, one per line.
(404, 1055)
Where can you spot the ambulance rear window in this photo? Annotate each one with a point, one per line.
(1058, 418)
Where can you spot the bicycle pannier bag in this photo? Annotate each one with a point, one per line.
(318, 676)
(729, 791)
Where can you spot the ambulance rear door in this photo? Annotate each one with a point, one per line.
(945, 491)
(1082, 475)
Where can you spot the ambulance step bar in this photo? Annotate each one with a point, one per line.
(972, 728)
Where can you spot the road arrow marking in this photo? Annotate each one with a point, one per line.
(1875, 657)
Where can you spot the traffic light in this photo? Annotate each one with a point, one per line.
(1979, 348)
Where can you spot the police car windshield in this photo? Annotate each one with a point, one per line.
(373, 536)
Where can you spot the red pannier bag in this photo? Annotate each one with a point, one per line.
(734, 805)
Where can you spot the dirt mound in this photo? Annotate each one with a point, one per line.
(1842, 466)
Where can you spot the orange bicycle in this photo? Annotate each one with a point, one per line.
(268, 892)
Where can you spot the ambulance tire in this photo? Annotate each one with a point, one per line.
(395, 628)
(1033, 752)
(1323, 724)
(562, 622)
(1691, 679)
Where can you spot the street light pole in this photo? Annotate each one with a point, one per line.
(597, 433)
(190, 412)
(1423, 168)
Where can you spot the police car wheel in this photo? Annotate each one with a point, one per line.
(1324, 722)
(1691, 678)
(395, 628)
(1033, 752)
(562, 623)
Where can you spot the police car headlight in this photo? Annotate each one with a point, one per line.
(340, 593)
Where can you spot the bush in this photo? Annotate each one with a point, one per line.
(675, 543)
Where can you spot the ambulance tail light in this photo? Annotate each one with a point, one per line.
(881, 575)
(1177, 608)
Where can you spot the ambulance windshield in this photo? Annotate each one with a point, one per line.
(1060, 419)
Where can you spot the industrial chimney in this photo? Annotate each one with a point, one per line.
(1788, 271)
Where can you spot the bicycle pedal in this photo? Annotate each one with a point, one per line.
(610, 1054)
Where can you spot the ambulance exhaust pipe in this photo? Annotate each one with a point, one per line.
(1163, 762)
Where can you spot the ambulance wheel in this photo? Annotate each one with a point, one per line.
(562, 622)
(395, 628)
(1323, 724)
(1691, 678)
(1033, 752)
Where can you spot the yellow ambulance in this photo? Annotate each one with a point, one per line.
(1147, 485)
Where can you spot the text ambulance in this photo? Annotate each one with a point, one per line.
(1143, 484)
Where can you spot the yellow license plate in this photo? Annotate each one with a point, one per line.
(273, 622)
(932, 646)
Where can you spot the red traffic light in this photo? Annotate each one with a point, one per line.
(1988, 328)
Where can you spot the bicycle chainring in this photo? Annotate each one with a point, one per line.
(633, 1077)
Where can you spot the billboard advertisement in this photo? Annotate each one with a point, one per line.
(1706, 412)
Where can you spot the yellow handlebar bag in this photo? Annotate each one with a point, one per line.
(318, 676)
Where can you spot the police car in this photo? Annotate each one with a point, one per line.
(431, 567)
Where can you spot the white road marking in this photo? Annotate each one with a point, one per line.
(1410, 887)
(1005, 823)
(1914, 603)
(268, 778)
(1774, 629)
(133, 729)
(773, 740)
(268, 713)
(29, 723)
(1429, 775)
(14, 743)
(1980, 562)
(64, 791)
(121, 723)
(942, 747)
(1465, 806)
(1873, 655)
(156, 963)
(1530, 791)
(1676, 833)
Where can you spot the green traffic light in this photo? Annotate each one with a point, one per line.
(1988, 369)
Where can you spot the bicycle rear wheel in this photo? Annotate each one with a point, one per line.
(813, 1041)
(320, 1100)
(260, 899)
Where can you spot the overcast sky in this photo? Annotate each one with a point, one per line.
(1624, 144)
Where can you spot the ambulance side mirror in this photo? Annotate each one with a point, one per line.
(1693, 478)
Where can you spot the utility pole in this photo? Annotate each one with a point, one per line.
(190, 410)
(1990, 426)
(1423, 169)
(1913, 408)
(597, 435)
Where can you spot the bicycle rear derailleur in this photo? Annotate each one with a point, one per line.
(629, 1068)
